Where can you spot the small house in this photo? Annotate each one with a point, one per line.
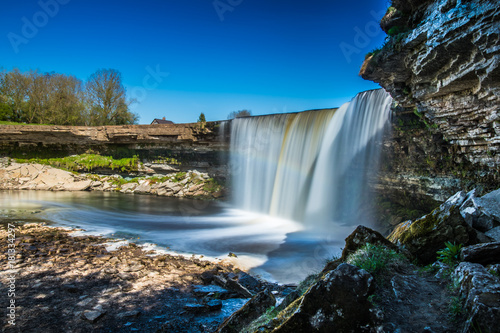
(162, 121)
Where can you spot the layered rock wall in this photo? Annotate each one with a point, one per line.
(442, 60)
(193, 146)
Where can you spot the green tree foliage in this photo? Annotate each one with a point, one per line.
(239, 114)
(201, 118)
(51, 98)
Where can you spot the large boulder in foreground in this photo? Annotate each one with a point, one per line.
(425, 236)
(252, 310)
(337, 303)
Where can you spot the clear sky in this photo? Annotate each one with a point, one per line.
(179, 58)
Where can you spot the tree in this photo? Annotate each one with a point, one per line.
(202, 119)
(14, 91)
(67, 100)
(239, 114)
(106, 98)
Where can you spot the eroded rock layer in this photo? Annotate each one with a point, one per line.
(442, 58)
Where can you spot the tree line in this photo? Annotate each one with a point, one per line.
(50, 98)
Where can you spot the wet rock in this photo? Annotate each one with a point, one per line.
(485, 253)
(129, 314)
(195, 308)
(481, 291)
(214, 305)
(424, 236)
(253, 309)
(251, 283)
(92, 315)
(232, 285)
(336, 303)
(494, 234)
(205, 291)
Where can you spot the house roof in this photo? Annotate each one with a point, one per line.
(162, 121)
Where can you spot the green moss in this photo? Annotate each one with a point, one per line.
(396, 30)
(179, 177)
(421, 227)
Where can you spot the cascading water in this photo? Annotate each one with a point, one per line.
(312, 166)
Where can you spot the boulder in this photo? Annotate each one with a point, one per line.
(252, 310)
(485, 254)
(356, 240)
(336, 303)
(482, 213)
(129, 187)
(426, 235)
(481, 291)
(362, 236)
(77, 185)
(143, 188)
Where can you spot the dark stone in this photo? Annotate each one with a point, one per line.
(337, 303)
(71, 288)
(208, 276)
(129, 314)
(362, 236)
(485, 253)
(356, 240)
(214, 305)
(481, 291)
(252, 310)
(232, 285)
(195, 308)
(251, 283)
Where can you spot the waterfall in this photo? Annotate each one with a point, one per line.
(311, 166)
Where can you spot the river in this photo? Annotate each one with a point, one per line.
(272, 248)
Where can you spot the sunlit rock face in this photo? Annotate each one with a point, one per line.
(443, 58)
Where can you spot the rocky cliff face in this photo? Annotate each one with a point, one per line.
(203, 147)
(442, 59)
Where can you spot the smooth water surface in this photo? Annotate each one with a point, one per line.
(207, 228)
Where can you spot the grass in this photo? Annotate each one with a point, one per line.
(4, 122)
(179, 177)
(376, 258)
(88, 162)
(456, 307)
(211, 186)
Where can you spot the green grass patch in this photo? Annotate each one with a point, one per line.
(3, 122)
(179, 176)
(88, 162)
(211, 186)
(376, 258)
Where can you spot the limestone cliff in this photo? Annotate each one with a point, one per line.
(441, 59)
(203, 147)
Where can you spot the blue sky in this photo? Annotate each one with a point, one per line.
(179, 58)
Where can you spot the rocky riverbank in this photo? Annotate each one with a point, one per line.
(78, 284)
(32, 176)
(382, 286)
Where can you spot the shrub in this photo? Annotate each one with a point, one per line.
(450, 255)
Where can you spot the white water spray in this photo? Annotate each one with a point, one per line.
(311, 166)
